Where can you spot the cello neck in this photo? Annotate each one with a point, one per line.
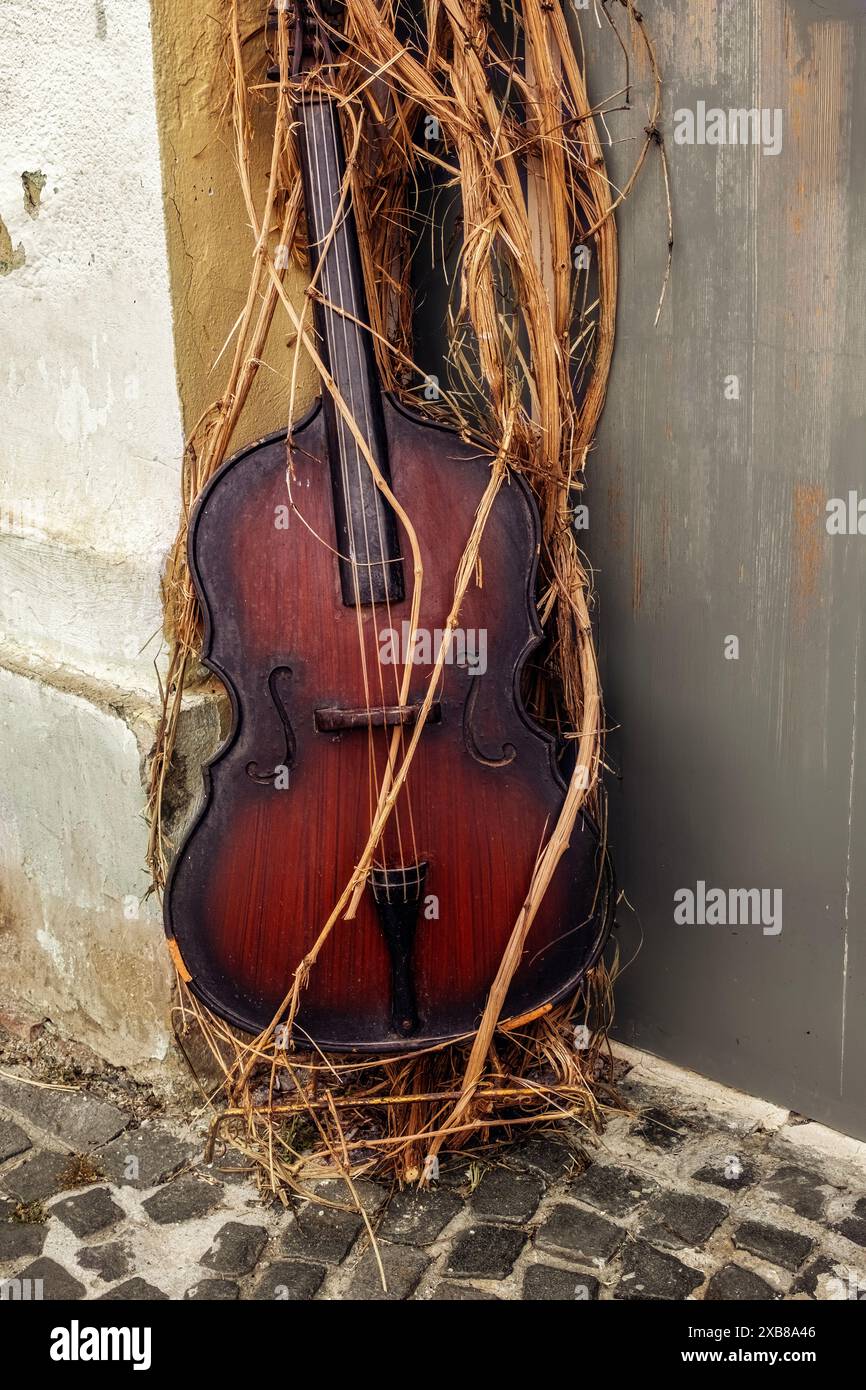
(348, 346)
(370, 570)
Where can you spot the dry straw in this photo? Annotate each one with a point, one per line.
(529, 320)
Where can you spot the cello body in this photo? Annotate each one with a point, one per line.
(305, 575)
(263, 867)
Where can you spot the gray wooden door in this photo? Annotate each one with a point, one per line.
(709, 521)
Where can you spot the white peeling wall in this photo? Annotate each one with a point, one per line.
(89, 460)
(92, 435)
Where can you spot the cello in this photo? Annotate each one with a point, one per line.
(305, 574)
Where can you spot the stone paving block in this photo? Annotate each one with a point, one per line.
(370, 1194)
(88, 1212)
(650, 1274)
(546, 1282)
(486, 1252)
(729, 1171)
(38, 1177)
(135, 1290)
(236, 1248)
(784, 1248)
(76, 1118)
(182, 1200)
(544, 1156)
(146, 1156)
(853, 1225)
(678, 1219)
(213, 1290)
(734, 1284)
(615, 1191)
(799, 1189)
(322, 1233)
(403, 1269)
(19, 1238)
(852, 1228)
(232, 1167)
(503, 1195)
(582, 1234)
(461, 1293)
(416, 1218)
(779, 1247)
(13, 1140)
(110, 1261)
(57, 1282)
(660, 1128)
(290, 1281)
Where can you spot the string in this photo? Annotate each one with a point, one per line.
(329, 112)
(322, 271)
(355, 299)
(326, 110)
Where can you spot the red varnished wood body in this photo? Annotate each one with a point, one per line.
(262, 868)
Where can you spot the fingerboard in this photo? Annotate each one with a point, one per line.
(370, 566)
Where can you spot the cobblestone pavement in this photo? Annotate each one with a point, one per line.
(699, 1193)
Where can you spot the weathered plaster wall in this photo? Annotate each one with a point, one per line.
(79, 947)
(124, 262)
(90, 466)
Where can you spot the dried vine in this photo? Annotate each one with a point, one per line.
(534, 323)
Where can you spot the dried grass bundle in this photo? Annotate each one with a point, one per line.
(531, 318)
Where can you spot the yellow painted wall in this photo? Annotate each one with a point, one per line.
(209, 238)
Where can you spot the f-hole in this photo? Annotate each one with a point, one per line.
(508, 752)
(279, 677)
